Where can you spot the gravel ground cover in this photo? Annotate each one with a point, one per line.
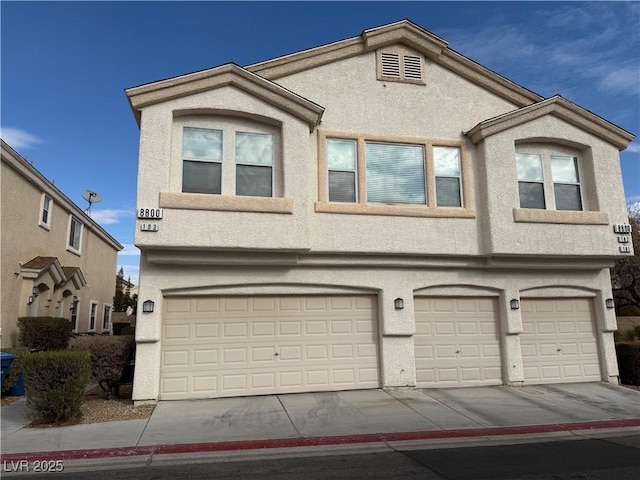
(98, 407)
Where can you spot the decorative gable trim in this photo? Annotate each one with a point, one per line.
(405, 33)
(37, 266)
(558, 107)
(228, 74)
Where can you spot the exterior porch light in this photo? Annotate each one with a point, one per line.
(610, 303)
(147, 306)
(35, 292)
(398, 303)
(74, 304)
(514, 303)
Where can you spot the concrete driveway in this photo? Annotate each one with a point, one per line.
(333, 417)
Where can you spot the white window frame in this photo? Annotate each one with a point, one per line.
(229, 125)
(545, 152)
(70, 247)
(93, 315)
(46, 225)
(108, 327)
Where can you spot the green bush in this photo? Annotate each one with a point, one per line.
(44, 333)
(629, 362)
(109, 355)
(55, 382)
(636, 331)
(15, 369)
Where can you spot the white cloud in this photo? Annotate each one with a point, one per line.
(17, 138)
(633, 148)
(109, 216)
(129, 250)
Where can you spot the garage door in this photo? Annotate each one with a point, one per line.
(230, 346)
(558, 341)
(457, 342)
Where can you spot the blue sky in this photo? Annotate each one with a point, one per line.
(65, 65)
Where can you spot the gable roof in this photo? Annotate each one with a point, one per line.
(35, 267)
(227, 74)
(405, 32)
(559, 107)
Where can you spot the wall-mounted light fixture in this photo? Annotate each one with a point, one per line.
(147, 306)
(398, 303)
(514, 303)
(34, 293)
(610, 303)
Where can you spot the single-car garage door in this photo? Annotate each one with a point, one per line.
(231, 346)
(457, 342)
(558, 341)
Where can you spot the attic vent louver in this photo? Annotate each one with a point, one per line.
(390, 64)
(412, 67)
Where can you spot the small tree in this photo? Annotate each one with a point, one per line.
(122, 297)
(625, 275)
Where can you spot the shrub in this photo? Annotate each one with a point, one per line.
(129, 330)
(44, 333)
(15, 369)
(629, 362)
(109, 355)
(636, 330)
(55, 382)
(628, 336)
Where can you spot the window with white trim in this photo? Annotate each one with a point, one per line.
(106, 317)
(93, 315)
(394, 172)
(239, 158)
(75, 234)
(549, 181)
(46, 205)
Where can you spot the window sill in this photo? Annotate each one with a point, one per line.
(225, 203)
(393, 210)
(73, 250)
(569, 217)
(46, 226)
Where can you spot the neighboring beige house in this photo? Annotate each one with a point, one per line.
(376, 212)
(56, 261)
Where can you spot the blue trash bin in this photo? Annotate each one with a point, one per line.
(18, 389)
(7, 359)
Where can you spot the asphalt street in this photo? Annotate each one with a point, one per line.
(613, 458)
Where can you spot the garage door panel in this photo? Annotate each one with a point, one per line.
(457, 342)
(558, 341)
(267, 345)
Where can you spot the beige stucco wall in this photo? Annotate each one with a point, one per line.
(23, 239)
(396, 327)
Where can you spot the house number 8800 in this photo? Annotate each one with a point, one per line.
(150, 213)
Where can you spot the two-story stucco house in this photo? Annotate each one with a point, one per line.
(376, 212)
(56, 260)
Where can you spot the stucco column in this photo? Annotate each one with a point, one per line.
(146, 382)
(397, 356)
(606, 324)
(511, 328)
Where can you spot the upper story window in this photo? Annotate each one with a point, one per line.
(399, 64)
(45, 211)
(75, 234)
(201, 160)
(393, 173)
(548, 181)
(238, 158)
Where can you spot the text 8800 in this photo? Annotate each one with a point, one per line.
(150, 213)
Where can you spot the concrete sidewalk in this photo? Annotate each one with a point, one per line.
(329, 418)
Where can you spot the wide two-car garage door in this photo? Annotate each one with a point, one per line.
(457, 341)
(231, 346)
(559, 341)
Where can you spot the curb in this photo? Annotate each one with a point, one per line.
(118, 452)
